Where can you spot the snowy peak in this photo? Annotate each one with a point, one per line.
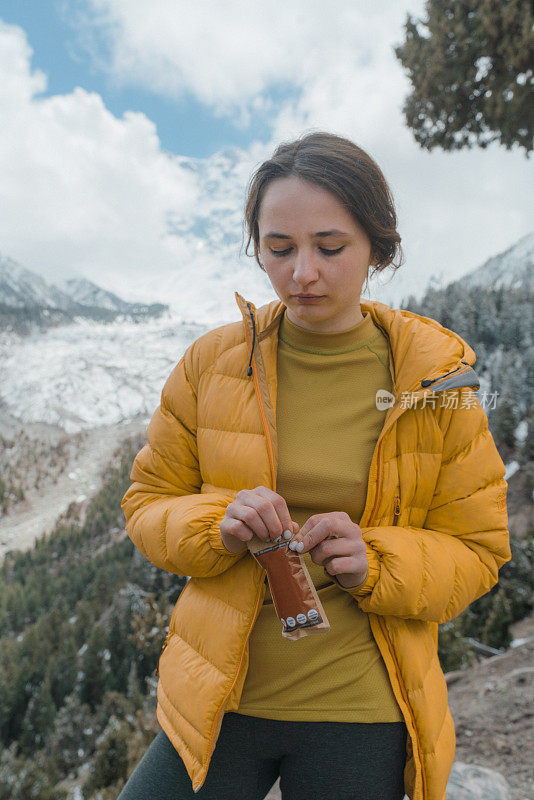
(87, 293)
(20, 287)
(27, 301)
(513, 269)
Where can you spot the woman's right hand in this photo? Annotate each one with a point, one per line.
(259, 512)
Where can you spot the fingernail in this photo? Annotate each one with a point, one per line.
(287, 534)
(300, 546)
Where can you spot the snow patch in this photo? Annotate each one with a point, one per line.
(511, 469)
(521, 431)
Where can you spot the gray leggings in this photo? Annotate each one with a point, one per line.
(315, 761)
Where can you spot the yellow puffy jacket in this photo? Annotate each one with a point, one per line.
(430, 555)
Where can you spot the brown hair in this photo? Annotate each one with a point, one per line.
(339, 165)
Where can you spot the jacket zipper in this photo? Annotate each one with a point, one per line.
(378, 481)
(170, 631)
(396, 509)
(265, 425)
(165, 643)
(262, 409)
(405, 698)
(429, 381)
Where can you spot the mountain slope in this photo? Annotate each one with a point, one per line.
(28, 302)
(513, 269)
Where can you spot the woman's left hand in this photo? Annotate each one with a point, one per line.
(336, 543)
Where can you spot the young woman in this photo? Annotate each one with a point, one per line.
(351, 429)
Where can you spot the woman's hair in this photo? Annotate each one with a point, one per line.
(339, 165)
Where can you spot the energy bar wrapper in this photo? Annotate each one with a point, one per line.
(294, 595)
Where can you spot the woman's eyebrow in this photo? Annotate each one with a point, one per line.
(274, 235)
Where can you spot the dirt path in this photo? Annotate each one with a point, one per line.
(85, 457)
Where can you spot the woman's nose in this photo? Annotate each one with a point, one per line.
(304, 269)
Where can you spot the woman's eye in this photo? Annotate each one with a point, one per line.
(322, 249)
(280, 252)
(331, 252)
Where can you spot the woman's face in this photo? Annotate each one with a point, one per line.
(311, 244)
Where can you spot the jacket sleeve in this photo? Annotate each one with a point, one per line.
(435, 572)
(168, 518)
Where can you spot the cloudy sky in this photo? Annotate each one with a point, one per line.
(129, 131)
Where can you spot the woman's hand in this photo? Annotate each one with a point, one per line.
(259, 512)
(336, 543)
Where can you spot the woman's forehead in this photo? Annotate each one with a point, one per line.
(310, 208)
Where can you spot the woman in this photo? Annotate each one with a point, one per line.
(351, 428)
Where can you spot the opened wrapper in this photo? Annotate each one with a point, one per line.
(294, 595)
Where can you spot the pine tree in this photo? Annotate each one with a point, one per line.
(133, 692)
(497, 628)
(72, 737)
(487, 329)
(28, 778)
(93, 683)
(470, 70)
(505, 419)
(121, 651)
(147, 636)
(16, 607)
(84, 620)
(63, 670)
(111, 759)
(38, 719)
(527, 449)
(453, 651)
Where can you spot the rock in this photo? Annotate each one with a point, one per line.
(472, 782)
(274, 794)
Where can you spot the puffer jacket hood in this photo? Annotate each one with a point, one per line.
(434, 523)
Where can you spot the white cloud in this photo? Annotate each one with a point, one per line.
(228, 54)
(81, 189)
(85, 191)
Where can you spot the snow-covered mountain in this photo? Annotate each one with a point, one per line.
(20, 287)
(87, 293)
(89, 374)
(99, 372)
(28, 302)
(513, 268)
